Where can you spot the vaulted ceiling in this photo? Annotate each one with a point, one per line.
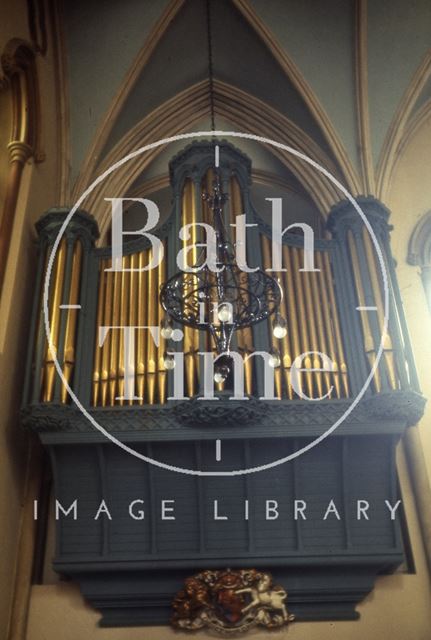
(341, 80)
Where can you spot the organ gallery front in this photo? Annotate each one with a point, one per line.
(136, 355)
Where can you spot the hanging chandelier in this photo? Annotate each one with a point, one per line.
(224, 298)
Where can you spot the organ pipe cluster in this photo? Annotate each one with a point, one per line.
(320, 307)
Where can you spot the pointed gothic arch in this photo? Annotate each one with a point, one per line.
(181, 113)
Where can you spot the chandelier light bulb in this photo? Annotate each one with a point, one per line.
(168, 361)
(274, 359)
(221, 372)
(166, 328)
(224, 313)
(279, 327)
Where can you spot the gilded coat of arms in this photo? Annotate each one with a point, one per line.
(230, 601)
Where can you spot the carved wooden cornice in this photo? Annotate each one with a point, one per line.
(198, 419)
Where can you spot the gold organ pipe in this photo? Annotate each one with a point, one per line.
(323, 297)
(191, 337)
(141, 343)
(278, 388)
(286, 346)
(285, 342)
(161, 372)
(97, 350)
(318, 303)
(72, 317)
(242, 347)
(106, 348)
(335, 325)
(376, 287)
(266, 259)
(290, 309)
(302, 321)
(41, 328)
(55, 311)
(152, 321)
(186, 219)
(368, 336)
(133, 300)
(244, 336)
(124, 315)
(116, 337)
(310, 305)
(128, 299)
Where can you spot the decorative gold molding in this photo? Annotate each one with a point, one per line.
(316, 109)
(362, 105)
(20, 81)
(19, 151)
(18, 63)
(93, 156)
(388, 155)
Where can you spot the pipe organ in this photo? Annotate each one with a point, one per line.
(130, 297)
(337, 310)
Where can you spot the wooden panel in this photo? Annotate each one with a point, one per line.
(341, 469)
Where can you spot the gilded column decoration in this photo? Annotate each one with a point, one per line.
(20, 80)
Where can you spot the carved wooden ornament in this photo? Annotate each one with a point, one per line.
(230, 601)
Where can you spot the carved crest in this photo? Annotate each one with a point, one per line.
(230, 601)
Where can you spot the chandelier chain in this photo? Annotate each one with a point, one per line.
(210, 64)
